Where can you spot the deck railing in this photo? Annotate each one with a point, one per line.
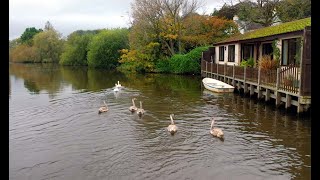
(287, 77)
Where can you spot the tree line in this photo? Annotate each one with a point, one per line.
(165, 36)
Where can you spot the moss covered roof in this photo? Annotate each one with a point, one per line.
(271, 30)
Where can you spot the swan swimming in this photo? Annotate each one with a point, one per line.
(172, 128)
(140, 110)
(133, 107)
(216, 131)
(103, 108)
(118, 85)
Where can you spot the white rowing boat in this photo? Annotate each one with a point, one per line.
(216, 85)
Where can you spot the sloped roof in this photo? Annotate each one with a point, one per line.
(271, 30)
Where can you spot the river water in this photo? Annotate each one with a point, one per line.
(55, 131)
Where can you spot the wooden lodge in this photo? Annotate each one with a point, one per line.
(289, 84)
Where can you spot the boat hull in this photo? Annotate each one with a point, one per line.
(217, 86)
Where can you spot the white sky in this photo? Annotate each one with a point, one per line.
(67, 16)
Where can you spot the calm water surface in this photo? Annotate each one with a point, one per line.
(56, 132)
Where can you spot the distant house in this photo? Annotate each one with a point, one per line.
(246, 26)
(288, 37)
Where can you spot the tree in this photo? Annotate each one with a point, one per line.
(24, 53)
(76, 49)
(290, 10)
(202, 30)
(48, 26)
(264, 12)
(28, 34)
(226, 11)
(161, 21)
(103, 50)
(14, 43)
(49, 45)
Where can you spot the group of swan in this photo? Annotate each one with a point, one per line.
(133, 108)
(172, 128)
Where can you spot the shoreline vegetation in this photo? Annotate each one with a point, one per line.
(162, 38)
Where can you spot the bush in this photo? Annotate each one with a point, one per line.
(24, 53)
(266, 63)
(188, 63)
(163, 66)
(247, 63)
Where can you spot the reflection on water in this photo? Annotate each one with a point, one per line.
(56, 132)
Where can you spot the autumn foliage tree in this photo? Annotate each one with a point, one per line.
(24, 53)
(203, 30)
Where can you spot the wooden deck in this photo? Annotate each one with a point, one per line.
(284, 84)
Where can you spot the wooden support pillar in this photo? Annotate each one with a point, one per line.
(206, 69)
(259, 93)
(233, 76)
(251, 90)
(278, 99)
(245, 88)
(288, 101)
(224, 72)
(258, 87)
(267, 95)
(300, 108)
(211, 67)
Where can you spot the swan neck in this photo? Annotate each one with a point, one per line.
(133, 102)
(171, 119)
(212, 124)
(140, 105)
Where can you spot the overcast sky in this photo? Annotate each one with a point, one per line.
(67, 16)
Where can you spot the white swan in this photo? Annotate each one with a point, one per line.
(216, 131)
(118, 85)
(116, 89)
(172, 128)
(103, 108)
(133, 107)
(140, 110)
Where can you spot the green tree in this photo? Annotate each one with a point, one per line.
(290, 10)
(104, 48)
(49, 45)
(76, 49)
(28, 35)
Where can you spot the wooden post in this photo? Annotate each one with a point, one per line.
(224, 72)
(277, 94)
(211, 68)
(206, 69)
(233, 75)
(288, 101)
(217, 71)
(258, 86)
(245, 86)
(267, 95)
(251, 90)
(244, 74)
